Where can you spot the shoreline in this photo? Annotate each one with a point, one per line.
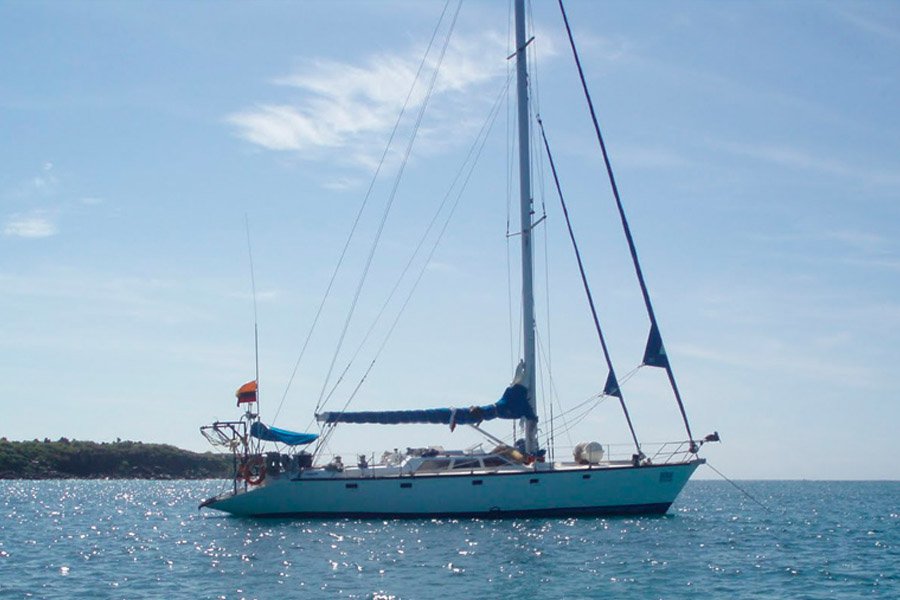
(86, 460)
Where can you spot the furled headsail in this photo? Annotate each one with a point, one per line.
(282, 436)
(513, 405)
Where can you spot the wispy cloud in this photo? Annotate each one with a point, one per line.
(36, 224)
(261, 295)
(772, 356)
(872, 25)
(798, 331)
(342, 183)
(867, 250)
(278, 127)
(441, 267)
(857, 239)
(821, 248)
(791, 157)
(42, 183)
(343, 105)
(616, 49)
(148, 299)
(38, 202)
(881, 263)
(46, 181)
(650, 157)
(865, 241)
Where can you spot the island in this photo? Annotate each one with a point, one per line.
(71, 459)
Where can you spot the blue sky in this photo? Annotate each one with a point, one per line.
(756, 146)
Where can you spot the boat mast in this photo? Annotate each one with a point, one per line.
(528, 325)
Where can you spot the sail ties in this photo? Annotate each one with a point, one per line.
(612, 384)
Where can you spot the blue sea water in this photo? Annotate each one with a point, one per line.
(142, 539)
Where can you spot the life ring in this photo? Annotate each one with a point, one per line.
(246, 470)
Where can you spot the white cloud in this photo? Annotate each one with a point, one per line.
(282, 128)
(37, 224)
(349, 106)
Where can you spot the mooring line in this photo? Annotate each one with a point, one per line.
(742, 490)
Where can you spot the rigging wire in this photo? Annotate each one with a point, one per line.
(611, 379)
(542, 375)
(510, 141)
(255, 318)
(391, 197)
(469, 163)
(538, 168)
(576, 420)
(472, 159)
(600, 395)
(594, 401)
(655, 336)
(582, 404)
(361, 210)
(554, 395)
(739, 488)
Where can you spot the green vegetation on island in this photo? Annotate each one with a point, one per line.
(71, 459)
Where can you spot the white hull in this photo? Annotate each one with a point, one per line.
(561, 491)
(434, 483)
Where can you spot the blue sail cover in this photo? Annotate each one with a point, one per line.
(513, 405)
(283, 436)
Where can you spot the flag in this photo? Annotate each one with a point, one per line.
(246, 393)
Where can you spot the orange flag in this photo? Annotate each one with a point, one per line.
(246, 393)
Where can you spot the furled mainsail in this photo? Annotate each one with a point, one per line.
(513, 405)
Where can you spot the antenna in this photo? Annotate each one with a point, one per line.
(255, 314)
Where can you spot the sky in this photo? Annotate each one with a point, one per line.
(756, 148)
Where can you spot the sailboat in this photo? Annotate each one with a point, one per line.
(510, 479)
